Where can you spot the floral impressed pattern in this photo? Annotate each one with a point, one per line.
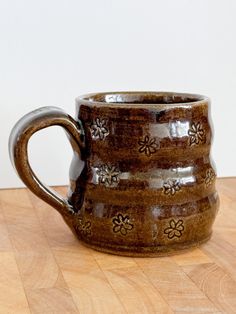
(121, 224)
(148, 146)
(170, 187)
(108, 175)
(99, 129)
(196, 133)
(210, 176)
(84, 227)
(175, 229)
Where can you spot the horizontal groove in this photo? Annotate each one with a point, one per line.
(147, 196)
(107, 208)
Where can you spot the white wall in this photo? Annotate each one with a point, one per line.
(52, 51)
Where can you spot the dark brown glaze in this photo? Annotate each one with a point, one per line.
(142, 182)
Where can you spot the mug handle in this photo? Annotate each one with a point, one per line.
(18, 149)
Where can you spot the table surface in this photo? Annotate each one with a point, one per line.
(44, 268)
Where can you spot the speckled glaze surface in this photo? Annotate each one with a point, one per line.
(142, 182)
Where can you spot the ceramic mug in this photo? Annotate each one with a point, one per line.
(147, 185)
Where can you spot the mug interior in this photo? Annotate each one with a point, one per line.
(142, 98)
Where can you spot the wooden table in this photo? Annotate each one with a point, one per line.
(44, 269)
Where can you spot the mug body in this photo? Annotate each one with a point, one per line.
(146, 183)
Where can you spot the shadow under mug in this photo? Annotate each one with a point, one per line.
(147, 186)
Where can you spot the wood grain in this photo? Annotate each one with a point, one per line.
(44, 269)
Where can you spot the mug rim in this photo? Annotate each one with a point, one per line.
(141, 98)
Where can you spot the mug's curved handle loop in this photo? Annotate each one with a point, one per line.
(18, 148)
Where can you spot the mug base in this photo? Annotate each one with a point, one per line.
(153, 251)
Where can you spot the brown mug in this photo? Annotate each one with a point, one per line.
(147, 185)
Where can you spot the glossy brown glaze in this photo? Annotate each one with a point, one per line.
(147, 185)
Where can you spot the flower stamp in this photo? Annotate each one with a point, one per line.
(210, 177)
(108, 175)
(175, 229)
(84, 227)
(196, 133)
(121, 224)
(99, 130)
(170, 187)
(148, 146)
